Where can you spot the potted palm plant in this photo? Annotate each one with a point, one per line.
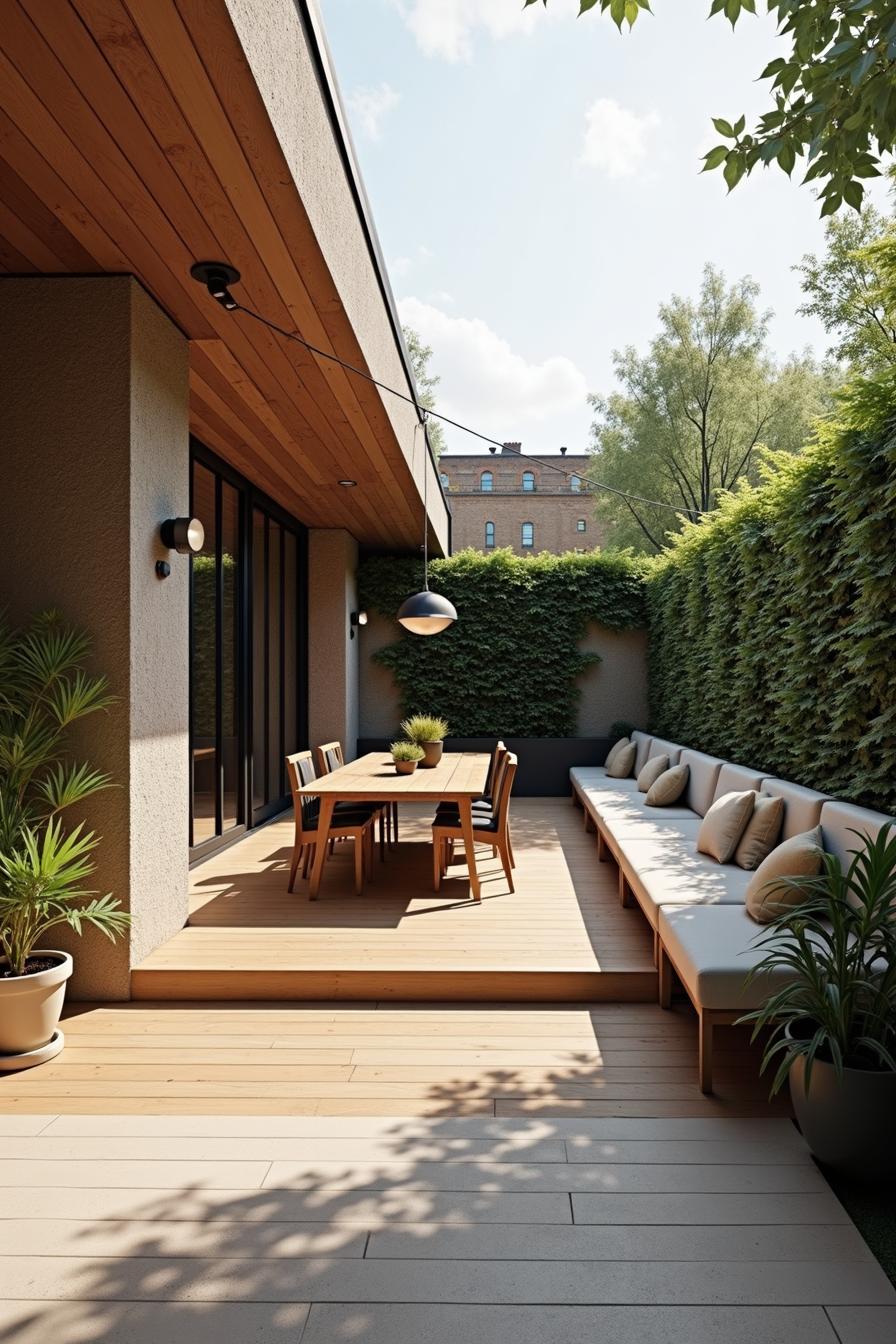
(44, 689)
(833, 1025)
(429, 732)
(406, 756)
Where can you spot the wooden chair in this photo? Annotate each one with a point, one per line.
(348, 823)
(484, 806)
(491, 828)
(329, 758)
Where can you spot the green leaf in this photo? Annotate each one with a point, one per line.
(715, 157)
(723, 127)
(787, 157)
(739, 125)
(734, 169)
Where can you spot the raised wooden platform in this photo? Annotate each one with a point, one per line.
(562, 936)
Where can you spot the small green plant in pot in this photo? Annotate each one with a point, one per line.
(406, 756)
(43, 867)
(833, 1025)
(429, 732)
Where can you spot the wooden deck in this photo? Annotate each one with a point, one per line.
(562, 936)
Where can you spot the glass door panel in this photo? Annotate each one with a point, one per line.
(204, 755)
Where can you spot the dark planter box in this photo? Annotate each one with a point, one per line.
(544, 762)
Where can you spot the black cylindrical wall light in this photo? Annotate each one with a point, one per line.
(184, 535)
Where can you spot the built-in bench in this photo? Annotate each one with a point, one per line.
(695, 905)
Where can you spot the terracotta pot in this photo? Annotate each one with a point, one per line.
(432, 754)
(405, 767)
(31, 1005)
(847, 1122)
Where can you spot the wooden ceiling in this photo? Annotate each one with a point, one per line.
(133, 139)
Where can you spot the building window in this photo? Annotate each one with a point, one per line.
(486, 481)
(580, 525)
(575, 483)
(528, 480)
(444, 479)
(528, 536)
(489, 536)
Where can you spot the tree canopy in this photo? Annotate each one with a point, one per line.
(427, 382)
(832, 98)
(694, 410)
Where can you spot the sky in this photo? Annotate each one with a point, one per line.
(534, 179)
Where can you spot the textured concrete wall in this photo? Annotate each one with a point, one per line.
(333, 656)
(272, 38)
(616, 688)
(94, 454)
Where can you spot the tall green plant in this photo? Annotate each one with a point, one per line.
(839, 947)
(44, 690)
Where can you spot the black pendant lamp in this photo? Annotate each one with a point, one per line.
(426, 613)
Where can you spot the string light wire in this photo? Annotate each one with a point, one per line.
(423, 412)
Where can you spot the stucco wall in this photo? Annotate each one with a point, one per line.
(272, 38)
(94, 455)
(333, 656)
(615, 688)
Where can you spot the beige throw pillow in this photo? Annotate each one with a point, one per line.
(768, 893)
(651, 771)
(667, 790)
(724, 824)
(614, 751)
(623, 762)
(762, 833)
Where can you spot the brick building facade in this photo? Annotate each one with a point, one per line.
(507, 499)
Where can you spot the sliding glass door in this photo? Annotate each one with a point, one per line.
(247, 655)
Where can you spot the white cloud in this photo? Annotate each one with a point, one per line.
(487, 385)
(368, 107)
(445, 27)
(616, 140)
(402, 265)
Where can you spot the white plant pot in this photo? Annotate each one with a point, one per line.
(30, 1008)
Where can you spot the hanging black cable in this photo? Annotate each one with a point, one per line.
(217, 276)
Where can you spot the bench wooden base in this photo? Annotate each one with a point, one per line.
(707, 1018)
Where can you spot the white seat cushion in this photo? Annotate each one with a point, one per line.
(632, 805)
(667, 870)
(713, 949)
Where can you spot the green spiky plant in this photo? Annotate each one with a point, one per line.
(839, 944)
(44, 690)
(424, 728)
(406, 751)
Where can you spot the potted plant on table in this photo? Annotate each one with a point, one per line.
(429, 732)
(834, 1023)
(406, 755)
(43, 691)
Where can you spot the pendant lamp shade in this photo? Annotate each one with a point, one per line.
(426, 613)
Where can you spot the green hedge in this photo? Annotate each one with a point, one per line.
(510, 663)
(772, 619)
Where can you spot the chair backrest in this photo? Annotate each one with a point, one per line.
(493, 784)
(497, 753)
(329, 757)
(300, 769)
(502, 802)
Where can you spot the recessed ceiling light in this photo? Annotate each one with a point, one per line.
(348, 483)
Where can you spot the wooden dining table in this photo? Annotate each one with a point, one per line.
(459, 777)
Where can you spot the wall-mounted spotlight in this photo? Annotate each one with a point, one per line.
(184, 535)
(348, 483)
(217, 276)
(357, 618)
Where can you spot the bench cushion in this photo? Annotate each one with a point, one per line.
(660, 747)
(702, 780)
(802, 806)
(642, 743)
(736, 779)
(840, 821)
(667, 870)
(713, 949)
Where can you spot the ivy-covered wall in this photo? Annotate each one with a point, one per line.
(773, 620)
(511, 663)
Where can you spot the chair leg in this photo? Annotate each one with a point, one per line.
(360, 844)
(383, 835)
(665, 979)
(705, 1060)
(505, 861)
(395, 823)
(296, 856)
(437, 843)
(510, 849)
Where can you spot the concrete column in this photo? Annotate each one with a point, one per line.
(333, 656)
(94, 455)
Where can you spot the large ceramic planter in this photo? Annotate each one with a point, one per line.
(847, 1122)
(30, 1008)
(405, 767)
(432, 754)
